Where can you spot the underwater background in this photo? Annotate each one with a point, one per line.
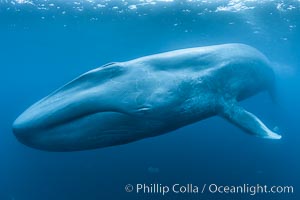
(46, 43)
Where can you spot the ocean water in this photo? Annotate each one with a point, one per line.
(46, 43)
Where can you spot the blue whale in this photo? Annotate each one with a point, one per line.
(123, 102)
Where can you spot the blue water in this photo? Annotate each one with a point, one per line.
(44, 44)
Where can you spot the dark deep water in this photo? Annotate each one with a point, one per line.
(44, 44)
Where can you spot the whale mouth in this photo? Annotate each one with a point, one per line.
(53, 112)
(82, 132)
(50, 120)
(25, 124)
(66, 134)
(60, 114)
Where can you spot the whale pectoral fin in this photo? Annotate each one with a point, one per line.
(246, 121)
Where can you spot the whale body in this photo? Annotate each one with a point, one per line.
(123, 102)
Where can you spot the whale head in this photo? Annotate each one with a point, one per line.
(75, 117)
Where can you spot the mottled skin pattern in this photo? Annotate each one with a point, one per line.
(126, 101)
